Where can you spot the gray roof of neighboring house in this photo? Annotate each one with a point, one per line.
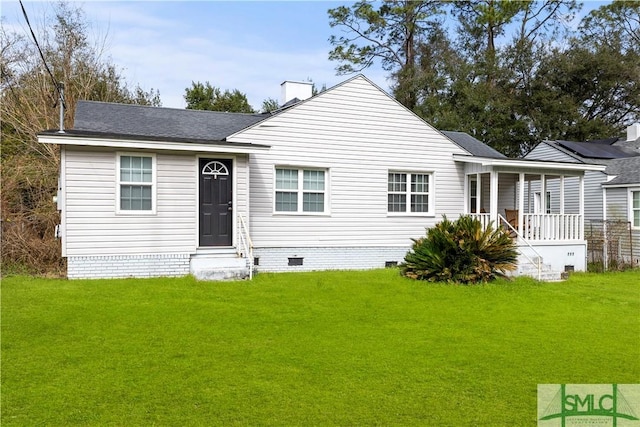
(629, 146)
(627, 171)
(472, 145)
(110, 119)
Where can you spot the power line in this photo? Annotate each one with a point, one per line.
(35, 40)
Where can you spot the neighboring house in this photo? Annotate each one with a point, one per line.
(612, 194)
(340, 180)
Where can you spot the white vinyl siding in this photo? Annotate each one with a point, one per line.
(93, 228)
(544, 151)
(617, 204)
(593, 181)
(358, 134)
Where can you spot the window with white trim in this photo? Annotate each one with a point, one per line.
(537, 208)
(136, 179)
(548, 202)
(410, 193)
(300, 190)
(635, 209)
(473, 194)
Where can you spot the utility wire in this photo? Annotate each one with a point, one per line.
(55, 83)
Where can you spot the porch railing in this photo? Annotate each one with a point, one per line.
(484, 219)
(545, 227)
(552, 227)
(245, 249)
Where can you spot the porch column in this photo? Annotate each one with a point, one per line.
(493, 196)
(521, 203)
(543, 194)
(466, 191)
(561, 194)
(478, 192)
(581, 205)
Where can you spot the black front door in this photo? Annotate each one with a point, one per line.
(216, 195)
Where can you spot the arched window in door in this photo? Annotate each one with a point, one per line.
(216, 169)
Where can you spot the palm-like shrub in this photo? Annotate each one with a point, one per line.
(460, 252)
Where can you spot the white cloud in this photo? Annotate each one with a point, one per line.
(168, 54)
(164, 46)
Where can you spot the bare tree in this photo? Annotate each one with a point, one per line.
(28, 100)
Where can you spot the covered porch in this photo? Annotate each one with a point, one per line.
(536, 201)
(534, 206)
(541, 204)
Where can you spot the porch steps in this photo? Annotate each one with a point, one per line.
(218, 264)
(547, 274)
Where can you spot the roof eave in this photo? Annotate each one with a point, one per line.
(528, 164)
(615, 183)
(150, 143)
(621, 184)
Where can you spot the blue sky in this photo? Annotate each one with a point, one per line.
(248, 45)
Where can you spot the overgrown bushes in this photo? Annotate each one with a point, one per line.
(29, 216)
(29, 170)
(460, 252)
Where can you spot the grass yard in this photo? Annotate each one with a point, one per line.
(331, 348)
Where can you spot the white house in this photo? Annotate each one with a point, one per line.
(340, 180)
(611, 195)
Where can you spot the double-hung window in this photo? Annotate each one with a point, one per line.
(410, 192)
(300, 190)
(136, 178)
(537, 204)
(473, 194)
(635, 208)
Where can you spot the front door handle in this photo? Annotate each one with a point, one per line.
(230, 205)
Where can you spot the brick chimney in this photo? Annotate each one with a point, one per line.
(291, 90)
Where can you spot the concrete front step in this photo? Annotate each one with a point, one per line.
(218, 266)
(549, 276)
(546, 272)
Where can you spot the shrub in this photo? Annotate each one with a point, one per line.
(460, 252)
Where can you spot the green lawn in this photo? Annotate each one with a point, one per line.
(331, 348)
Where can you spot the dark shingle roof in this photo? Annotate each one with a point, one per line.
(472, 145)
(126, 119)
(627, 171)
